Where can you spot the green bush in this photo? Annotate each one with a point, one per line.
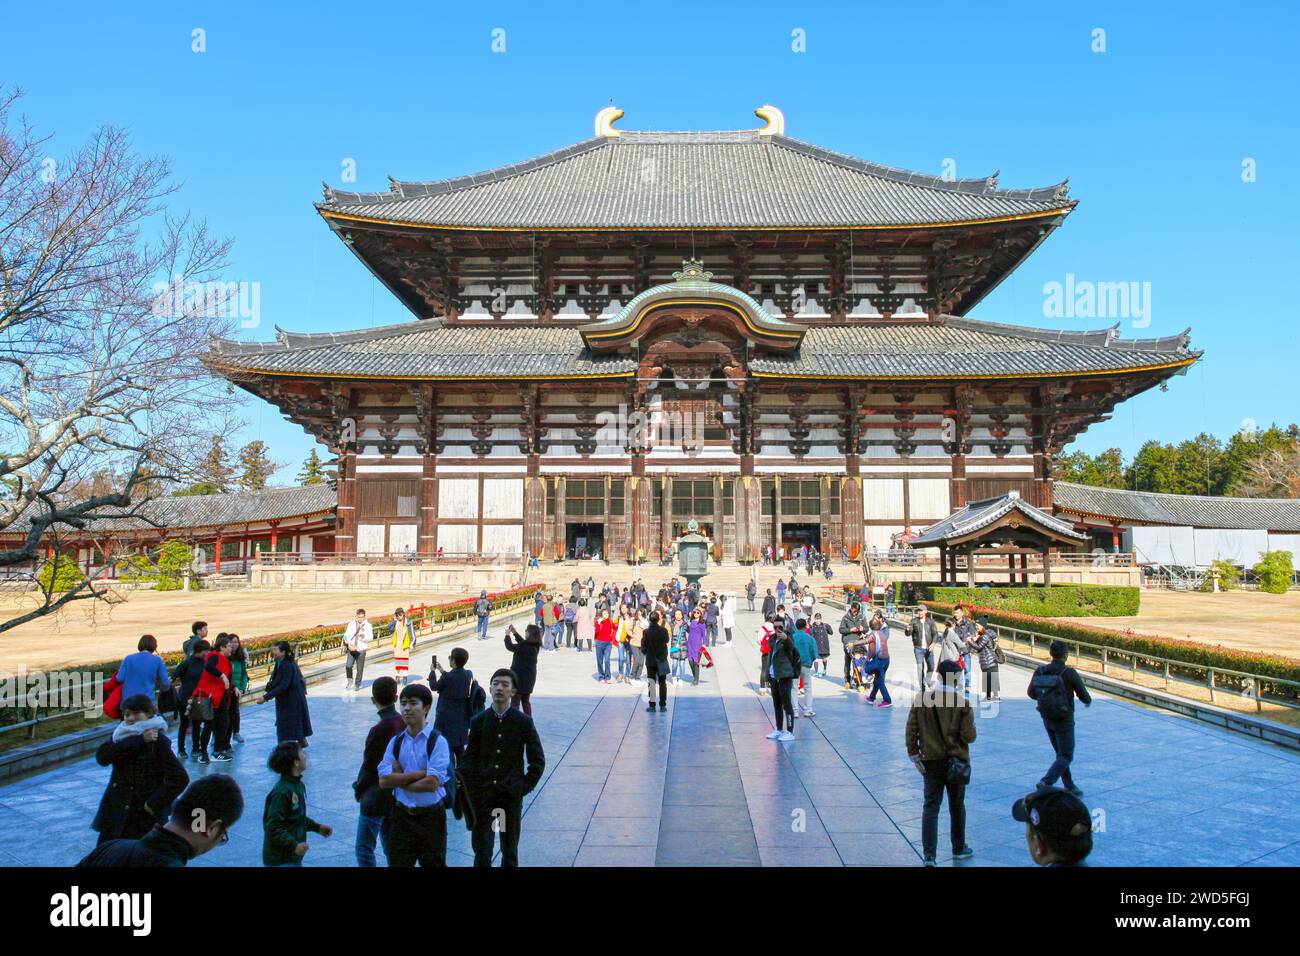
(1059, 600)
(174, 559)
(62, 571)
(1274, 571)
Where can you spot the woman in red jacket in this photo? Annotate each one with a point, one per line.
(215, 683)
(606, 636)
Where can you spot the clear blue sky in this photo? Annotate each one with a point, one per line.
(1152, 134)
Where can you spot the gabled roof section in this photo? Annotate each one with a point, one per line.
(693, 284)
(966, 524)
(684, 180)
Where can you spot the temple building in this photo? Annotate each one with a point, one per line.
(648, 328)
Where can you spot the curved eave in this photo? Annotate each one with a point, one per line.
(336, 215)
(751, 315)
(1182, 363)
(364, 377)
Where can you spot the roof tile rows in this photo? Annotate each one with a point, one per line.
(953, 348)
(979, 514)
(735, 179)
(1196, 511)
(201, 511)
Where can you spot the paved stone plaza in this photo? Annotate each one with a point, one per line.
(700, 784)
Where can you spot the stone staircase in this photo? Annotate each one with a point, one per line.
(723, 578)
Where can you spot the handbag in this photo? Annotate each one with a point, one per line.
(201, 708)
(958, 771)
(999, 655)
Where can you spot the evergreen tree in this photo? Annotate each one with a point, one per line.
(255, 465)
(313, 473)
(215, 467)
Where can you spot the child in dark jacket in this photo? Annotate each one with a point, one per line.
(147, 778)
(188, 673)
(284, 820)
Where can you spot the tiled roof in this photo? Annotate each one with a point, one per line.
(426, 349)
(967, 348)
(1196, 511)
(980, 514)
(950, 348)
(685, 180)
(202, 511)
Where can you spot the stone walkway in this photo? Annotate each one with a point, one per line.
(700, 785)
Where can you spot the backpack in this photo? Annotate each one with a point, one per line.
(448, 785)
(1052, 695)
(482, 607)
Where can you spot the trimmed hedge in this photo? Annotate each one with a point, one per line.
(310, 639)
(1132, 643)
(1059, 600)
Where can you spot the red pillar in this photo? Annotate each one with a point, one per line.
(218, 555)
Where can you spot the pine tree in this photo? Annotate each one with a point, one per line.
(256, 466)
(215, 468)
(313, 473)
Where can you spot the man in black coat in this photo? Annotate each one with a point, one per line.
(500, 739)
(376, 810)
(769, 604)
(200, 821)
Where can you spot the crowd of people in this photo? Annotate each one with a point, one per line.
(477, 753)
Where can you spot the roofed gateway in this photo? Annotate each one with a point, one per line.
(800, 311)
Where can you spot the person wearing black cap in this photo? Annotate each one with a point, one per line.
(1054, 686)
(940, 730)
(1058, 827)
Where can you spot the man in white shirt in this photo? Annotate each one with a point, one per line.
(356, 639)
(417, 771)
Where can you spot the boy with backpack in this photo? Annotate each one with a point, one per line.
(417, 766)
(1054, 686)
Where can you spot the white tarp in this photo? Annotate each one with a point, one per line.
(1196, 547)
(1237, 545)
(1164, 545)
(1285, 542)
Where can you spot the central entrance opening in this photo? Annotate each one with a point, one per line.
(584, 540)
(683, 527)
(795, 536)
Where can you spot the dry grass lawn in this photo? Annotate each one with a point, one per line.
(1249, 620)
(90, 631)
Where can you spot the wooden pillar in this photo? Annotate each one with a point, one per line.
(607, 545)
(666, 516)
(749, 516)
(1024, 567)
(345, 537)
(1047, 566)
(638, 508)
(1114, 536)
(970, 565)
(776, 517)
(561, 531)
(217, 559)
(957, 491)
(851, 514)
(534, 515)
(717, 515)
(1011, 568)
(428, 525)
(824, 505)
